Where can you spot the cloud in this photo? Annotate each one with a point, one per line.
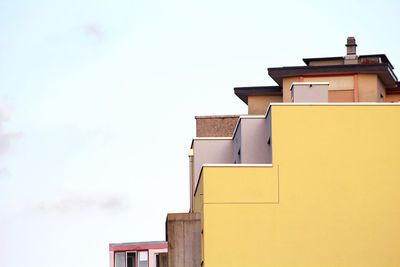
(86, 202)
(3, 171)
(94, 30)
(6, 138)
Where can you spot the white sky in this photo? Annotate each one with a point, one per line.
(98, 98)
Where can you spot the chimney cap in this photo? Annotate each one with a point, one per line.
(351, 41)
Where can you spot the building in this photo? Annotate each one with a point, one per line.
(139, 254)
(308, 178)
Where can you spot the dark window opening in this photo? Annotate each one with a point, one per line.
(131, 259)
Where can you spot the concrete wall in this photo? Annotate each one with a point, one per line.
(251, 139)
(330, 197)
(257, 105)
(254, 147)
(183, 236)
(215, 126)
(269, 137)
(237, 144)
(309, 92)
(163, 259)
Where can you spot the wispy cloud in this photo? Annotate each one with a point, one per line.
(94, 30)
(78, 202)
(6, 138)
(3, 172)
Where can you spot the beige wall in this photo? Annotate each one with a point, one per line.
(326, 62)
(287, 82)
(368, 87)
(341, 88)
(335, 82)
(339, 96)
(257, 105)
(381, 91)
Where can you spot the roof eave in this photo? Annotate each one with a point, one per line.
(244, 92)
(382, 69)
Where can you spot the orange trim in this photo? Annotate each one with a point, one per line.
(301, 79)
(329, 75)
(356, 96)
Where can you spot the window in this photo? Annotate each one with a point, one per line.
(120, 259)
(158, 260)
(143, 259)
(130, 259)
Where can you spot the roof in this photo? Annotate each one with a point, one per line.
(383, 70)
(137, 246)
(244, 92)
(382, 56)
(216, 116)
(307, 60)
(137, 243)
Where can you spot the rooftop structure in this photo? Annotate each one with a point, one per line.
(352, 78)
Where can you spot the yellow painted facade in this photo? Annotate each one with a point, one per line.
(330, 198)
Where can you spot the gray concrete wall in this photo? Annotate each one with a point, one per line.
(163, 259)
(309, 92)
(254, 138)
(237, 143)
(269, 137)
(183, 233)
(219, 151)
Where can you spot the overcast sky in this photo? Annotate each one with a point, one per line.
(98, 98)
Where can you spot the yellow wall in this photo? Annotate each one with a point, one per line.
(257, 105)
(331, 198)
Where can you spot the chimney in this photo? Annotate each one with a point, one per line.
(351, 57)
(351, 46)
